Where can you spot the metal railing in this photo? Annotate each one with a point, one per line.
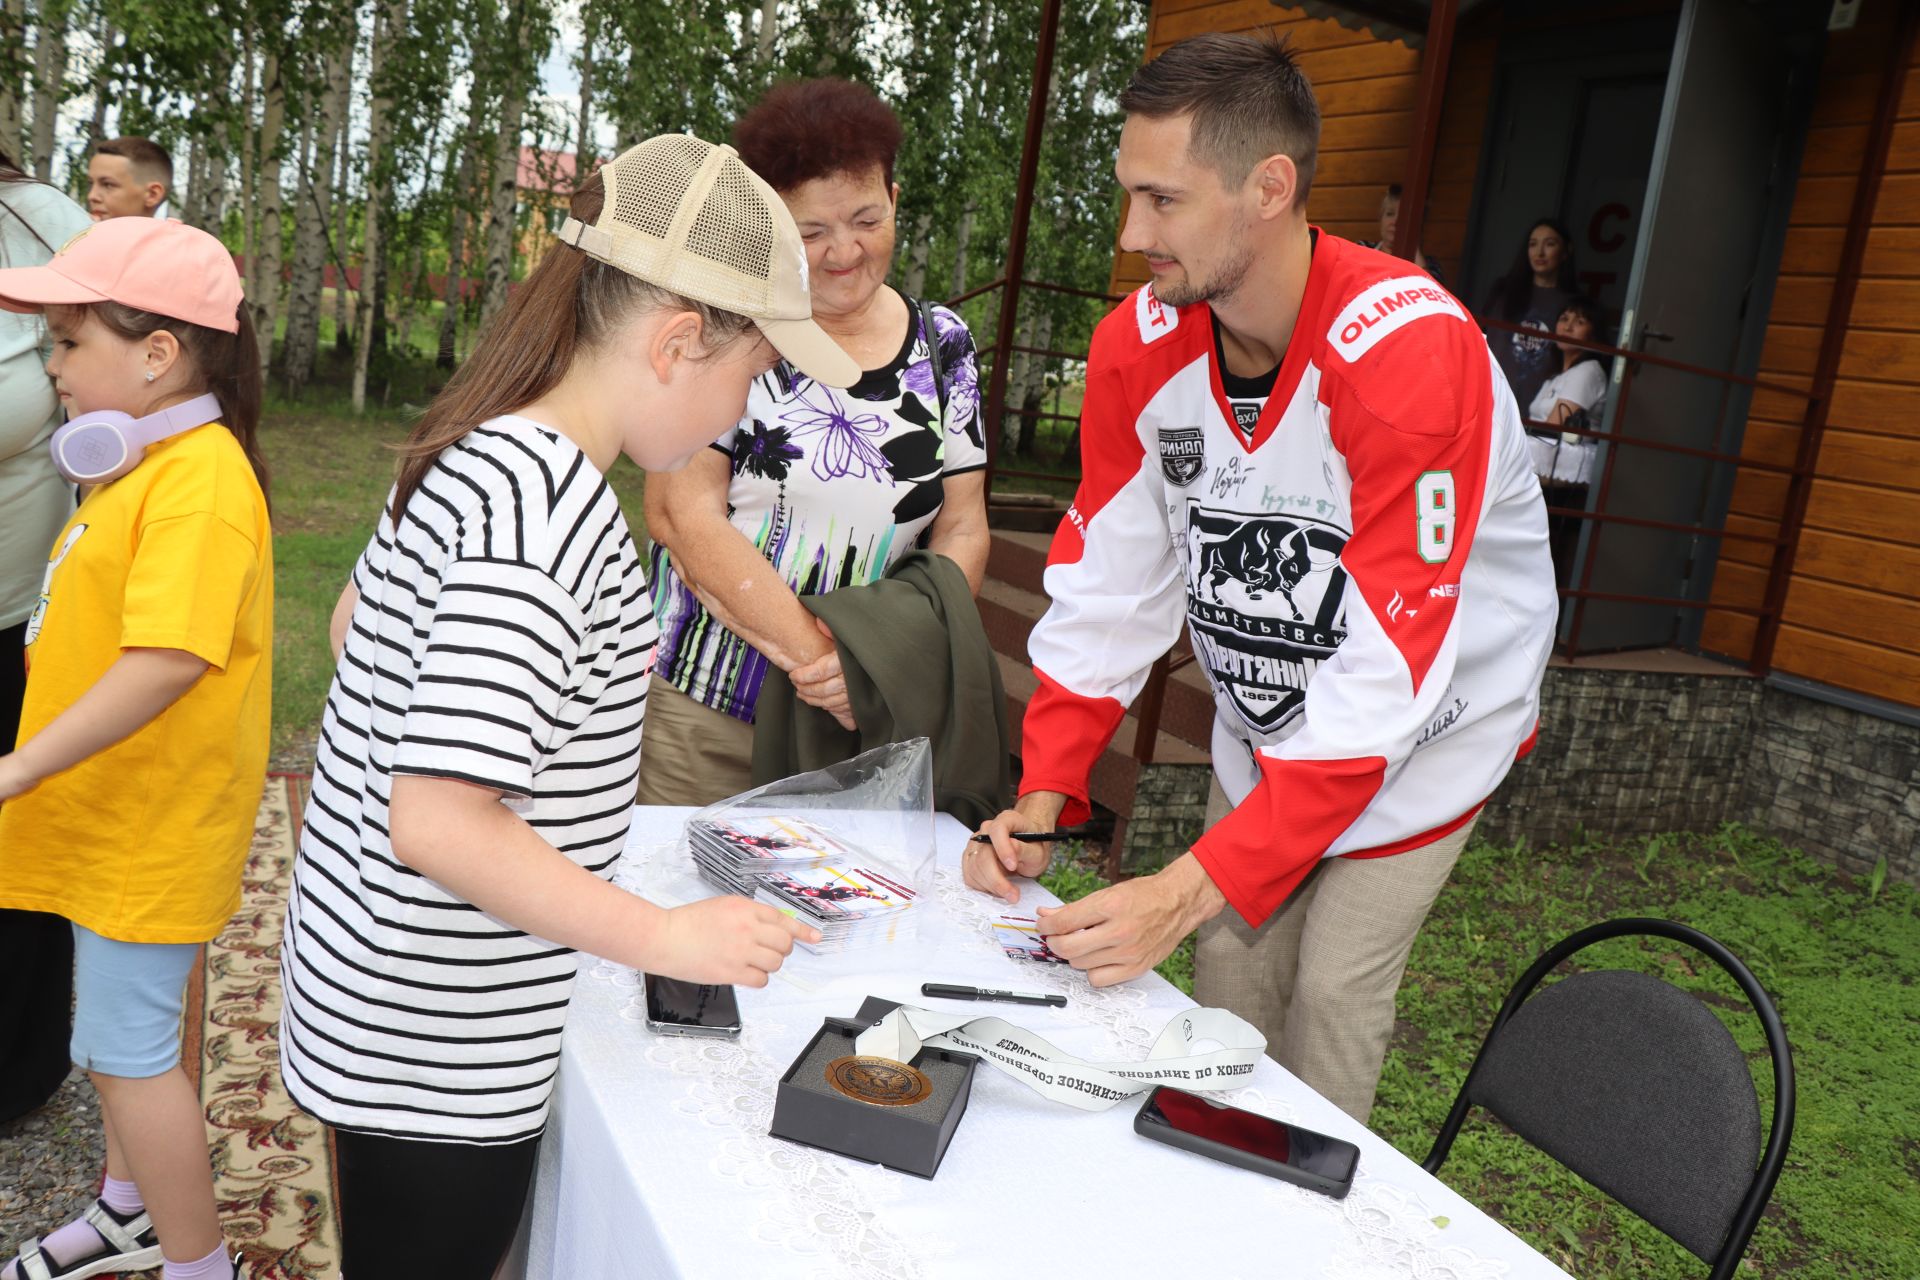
(1619, 437)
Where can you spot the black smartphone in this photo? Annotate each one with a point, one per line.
(1260, 1143)
(677, 1008)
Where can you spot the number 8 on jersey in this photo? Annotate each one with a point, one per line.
(1433, 497)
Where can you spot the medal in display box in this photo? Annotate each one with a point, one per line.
(901, 1115)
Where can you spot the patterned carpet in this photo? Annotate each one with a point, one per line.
(273, 1173)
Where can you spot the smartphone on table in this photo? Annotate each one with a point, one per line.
(1260, 1143)
(677, 1008)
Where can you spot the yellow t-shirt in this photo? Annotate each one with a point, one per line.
(145, 841)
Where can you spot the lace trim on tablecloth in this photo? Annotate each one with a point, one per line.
(829, 1207)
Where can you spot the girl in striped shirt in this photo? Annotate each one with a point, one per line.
(480, 743)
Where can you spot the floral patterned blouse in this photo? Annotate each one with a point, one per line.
(833, 487)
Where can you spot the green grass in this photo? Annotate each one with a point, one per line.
(1840, 957)
(331, 472)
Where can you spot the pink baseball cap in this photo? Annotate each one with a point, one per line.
(150, 264)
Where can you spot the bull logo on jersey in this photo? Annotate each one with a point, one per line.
(1183, 453)
(1266, 597)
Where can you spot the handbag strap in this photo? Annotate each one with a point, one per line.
(933, 356)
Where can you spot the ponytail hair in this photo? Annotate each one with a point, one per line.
(224, 365)
(569, 304)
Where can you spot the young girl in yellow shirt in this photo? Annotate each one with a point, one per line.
(128, 805)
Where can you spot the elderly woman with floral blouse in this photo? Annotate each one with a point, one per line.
(815, 489)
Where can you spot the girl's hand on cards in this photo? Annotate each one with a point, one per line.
(726, 940)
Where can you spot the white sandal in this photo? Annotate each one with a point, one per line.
(130, 1246)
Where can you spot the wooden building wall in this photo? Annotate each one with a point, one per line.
(1366, 88)
(1852, 616)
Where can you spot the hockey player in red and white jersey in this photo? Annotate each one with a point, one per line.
(1302, 451)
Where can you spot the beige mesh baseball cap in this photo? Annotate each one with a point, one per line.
(691, 217)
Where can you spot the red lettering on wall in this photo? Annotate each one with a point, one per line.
(1598, 237)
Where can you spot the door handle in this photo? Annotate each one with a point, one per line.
(1654, 335)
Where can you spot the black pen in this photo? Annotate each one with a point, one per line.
(1035, 837)
(984, 993)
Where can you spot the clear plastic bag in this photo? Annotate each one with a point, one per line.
(847, 849)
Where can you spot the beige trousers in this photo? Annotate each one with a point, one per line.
(690, 753)
(1319, 978)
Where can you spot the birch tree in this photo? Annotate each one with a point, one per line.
(344, 297)
(313, 247)
(13, 75)
(389, 22)
(453, 296)
(269, 148)
(49, 82)
(524, 27)
(583, 145)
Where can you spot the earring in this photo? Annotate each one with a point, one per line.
(150, 375)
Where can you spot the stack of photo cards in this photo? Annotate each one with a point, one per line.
(807, 872)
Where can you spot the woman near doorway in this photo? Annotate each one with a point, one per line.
(816, 489)
(1534, 291)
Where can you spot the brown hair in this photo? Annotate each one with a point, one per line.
(807, 129)
(225, 366)
(1248, 99)
(569, 303)
(148, 159)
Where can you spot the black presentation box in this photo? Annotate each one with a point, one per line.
(912, 1138)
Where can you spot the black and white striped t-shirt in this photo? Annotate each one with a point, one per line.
(504, 636)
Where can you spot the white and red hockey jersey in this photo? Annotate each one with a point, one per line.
(1366, 578)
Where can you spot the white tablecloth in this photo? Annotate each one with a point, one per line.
(657, 1161)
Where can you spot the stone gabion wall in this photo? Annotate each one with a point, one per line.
(1629, 753)
(1169, 813)
(1842, 785)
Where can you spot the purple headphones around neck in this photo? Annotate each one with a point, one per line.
(106, 444)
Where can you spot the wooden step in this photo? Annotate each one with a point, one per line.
(1025, 512)
(1008, 613)
(1019, 559)
(1116, 772)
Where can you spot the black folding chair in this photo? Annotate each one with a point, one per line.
(1637, 1087)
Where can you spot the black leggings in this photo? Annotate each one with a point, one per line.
(413, 1210)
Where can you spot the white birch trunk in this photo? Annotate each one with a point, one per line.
(583, 148)
(390, 21)
(249, 163)
(102, 79)
(506, 168)
(454, 295)
(311, 235)
(343, 294)
(13, 75)
(267, 208)
(769, 27)
(49, 83)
